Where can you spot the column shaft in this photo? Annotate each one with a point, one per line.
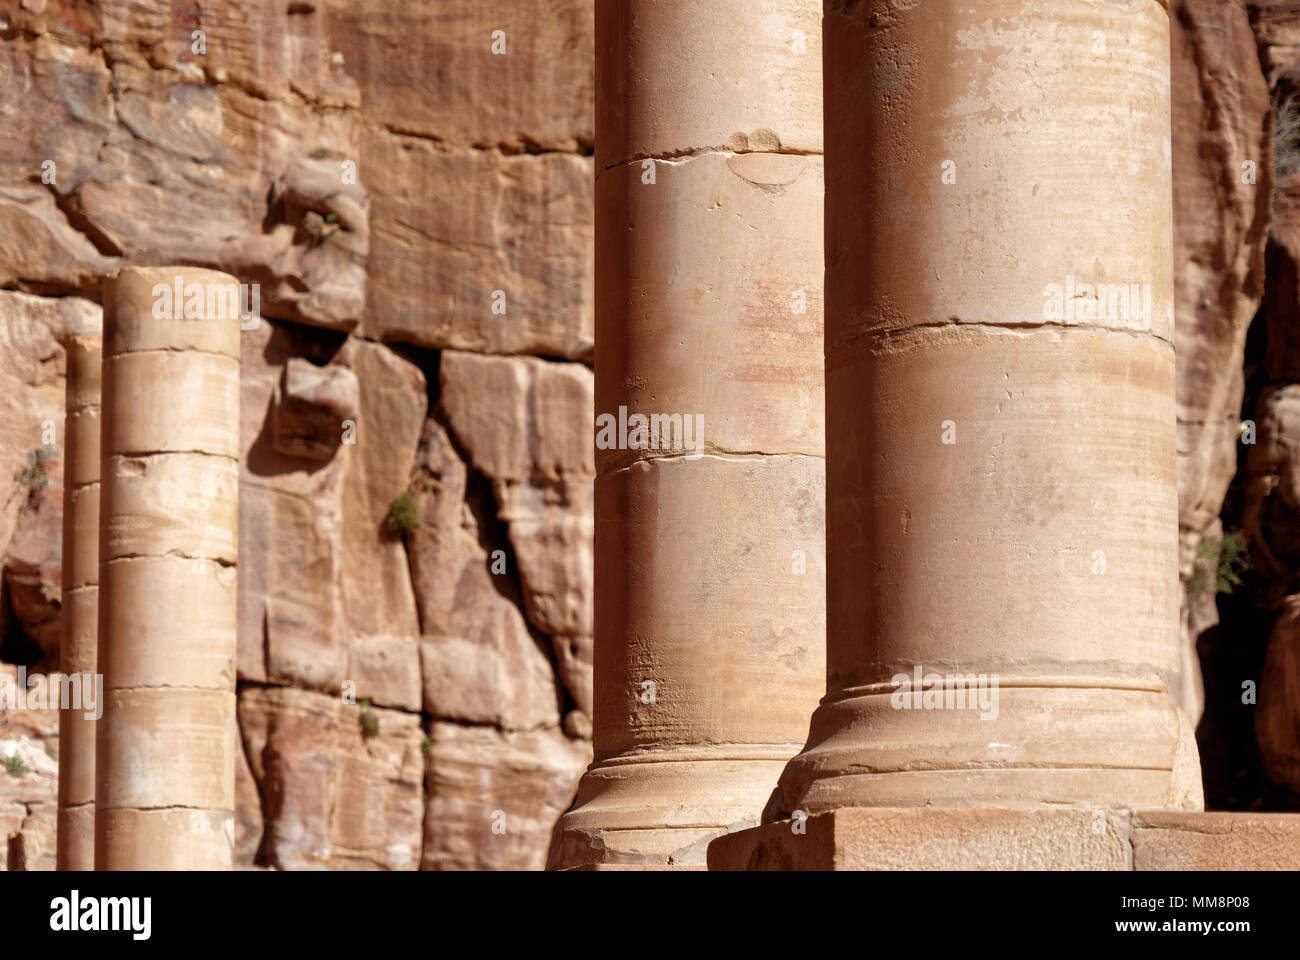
(78, 652)
(709, 552)
(1002, 492)
(170, 471)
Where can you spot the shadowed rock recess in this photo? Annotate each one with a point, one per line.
(411, 189)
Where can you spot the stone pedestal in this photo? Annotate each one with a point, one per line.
(709, 552)
(993, 838)
(1002, 568)
(78, 651)
(170, 470)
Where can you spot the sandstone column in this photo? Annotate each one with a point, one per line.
(709, 557)
(1001, 492)
(169, 475)
(78, 650)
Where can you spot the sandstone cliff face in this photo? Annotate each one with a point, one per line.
(1237, 216)
(1222, 161)
(1270, 496)
(412, 192)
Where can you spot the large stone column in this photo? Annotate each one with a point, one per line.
(1001, 490)
(78, 651)
(169, 478)
(709, 559)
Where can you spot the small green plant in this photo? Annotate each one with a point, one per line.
(1220, 562)
(426, 745)
(369, 721)
(15, 765)
(49, 752)
(321, 230)
(34, 477)
(403, 515)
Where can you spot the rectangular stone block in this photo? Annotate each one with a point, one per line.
(505, 73)
(481, 252)
(953, 838)
(1165, 840)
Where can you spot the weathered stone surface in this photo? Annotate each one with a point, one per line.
(975, 838)
(311, 408)
(239, 157)
(431, 69)
(248, 810)
(57, 112)
(454, 228)
(527, 426)
(1164, 840)
(1276, 25)
(29, 745)
(494, 797)
(334, 796)
(377, 594)
(271, 49)
(36, 244)
(33, 568)
(32, 847)
(481, 665)
(58, 107)
(1223, 175)
(291, 553)
(155, 163)
(479, 662)
(493, 675)
(987, 838)
(1277, 713)
(670, 89)
(31, 464)
(736, 351)
(386, 670)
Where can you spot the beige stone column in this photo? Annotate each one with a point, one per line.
(78, 651)
(169, 481)
(709, 556)
(1001, 498)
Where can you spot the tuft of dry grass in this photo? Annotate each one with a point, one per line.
(1287, 137)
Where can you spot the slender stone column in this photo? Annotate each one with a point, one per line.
(78, 651)
(170, 470)
(709, 555)
(1001, 492)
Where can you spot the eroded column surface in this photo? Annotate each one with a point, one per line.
(78, 651)
(1001, 489)
(169, 483)
(710, 548)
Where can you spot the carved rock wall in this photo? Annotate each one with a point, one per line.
(410, 187)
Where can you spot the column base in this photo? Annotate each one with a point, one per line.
(994, 838)
(1077, 741)
(659, 813)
